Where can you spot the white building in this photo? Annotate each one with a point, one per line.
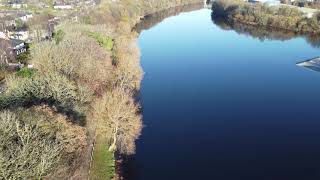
(3, 35)
(18, 5)
(25, 16)
(62, 6)
(20, 35)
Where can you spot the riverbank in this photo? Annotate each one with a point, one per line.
(86, 81)
(126, 57)
(281, 17)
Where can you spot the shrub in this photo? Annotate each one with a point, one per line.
(48, 88)
(24, 58)
(104, 41)
(58, 36)
(25, 72)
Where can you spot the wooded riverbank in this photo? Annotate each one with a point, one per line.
(281, 17)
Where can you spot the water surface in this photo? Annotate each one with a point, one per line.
(223, 103)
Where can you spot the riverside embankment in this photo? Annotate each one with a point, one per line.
(124, 16)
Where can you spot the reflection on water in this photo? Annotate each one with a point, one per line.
(151, 20)
(218, 104)
(264, 33)
(312, 64)
(261, 33)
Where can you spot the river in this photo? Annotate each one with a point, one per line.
(225, 102)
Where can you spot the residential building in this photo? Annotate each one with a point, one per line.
(10, 49)
(22, 34)
(61, 5)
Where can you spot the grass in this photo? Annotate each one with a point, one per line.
(25, 72)
(104, 41)
(103, 164)
(5, 73)
(2, 75)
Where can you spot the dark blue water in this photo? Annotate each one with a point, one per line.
(223, 105)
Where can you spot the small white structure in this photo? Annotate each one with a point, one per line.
(273, 3)
(268, 2)
(18, 46)
(20, 35)
(62, 7)
(25, 16)
(3, 36)
(19, 6)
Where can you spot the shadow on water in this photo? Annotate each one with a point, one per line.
(152, 20)
(264, 33)
(129, 166)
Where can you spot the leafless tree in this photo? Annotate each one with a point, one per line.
(39, 25)
(5, 52)
(120, 120)
(25, 151)
(77, 57)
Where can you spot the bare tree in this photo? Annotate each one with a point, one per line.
(128, 73)
(39, 25)
(25, 151)
(121, 121)
(77, 57)
(5, 52)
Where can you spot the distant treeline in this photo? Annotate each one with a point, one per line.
(265, 33)
(281, 17)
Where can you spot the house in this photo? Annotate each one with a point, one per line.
(21, 34)
(17, 4)
(9, 24)
(62, 5)
(10, 49)
(90, 3)
(24, 16)
(18, 46)
(302, 0)
(268, 2)
(9, 18)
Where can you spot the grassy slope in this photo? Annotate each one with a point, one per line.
(103, 161)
